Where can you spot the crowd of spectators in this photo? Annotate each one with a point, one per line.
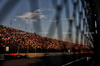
(21, 41)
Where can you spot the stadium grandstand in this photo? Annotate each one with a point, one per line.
(25, 42)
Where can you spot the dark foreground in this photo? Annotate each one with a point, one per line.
(62, 60)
